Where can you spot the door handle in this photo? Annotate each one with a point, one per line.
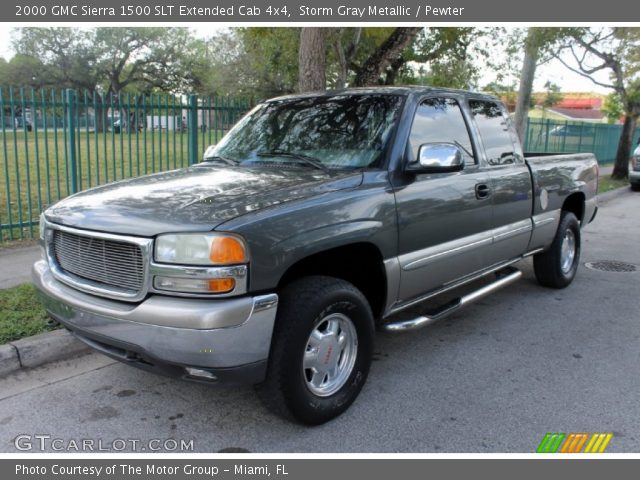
(482, 191)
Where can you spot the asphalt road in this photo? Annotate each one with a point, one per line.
(493, 378)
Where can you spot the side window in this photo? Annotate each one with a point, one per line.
(440, 120)
(494, 131)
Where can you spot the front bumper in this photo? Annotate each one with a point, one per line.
(634, 177)
(228, 340)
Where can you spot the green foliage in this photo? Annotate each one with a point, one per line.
(263, 62)
(113, 59)
(23, 71)
(252, 62)
(552, 95)
(613, 108)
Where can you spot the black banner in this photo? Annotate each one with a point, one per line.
(317, 11)
(315, 469)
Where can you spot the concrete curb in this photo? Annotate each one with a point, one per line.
(611, 194)
(9, 361)
(34, 351)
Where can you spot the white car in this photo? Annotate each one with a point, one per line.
(634, 171)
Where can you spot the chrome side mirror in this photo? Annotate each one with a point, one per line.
(437, 158)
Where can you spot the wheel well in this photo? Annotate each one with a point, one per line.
(359, 263)
(575, 204)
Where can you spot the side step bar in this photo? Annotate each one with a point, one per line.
(504, 277)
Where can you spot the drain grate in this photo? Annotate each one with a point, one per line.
(611, 266)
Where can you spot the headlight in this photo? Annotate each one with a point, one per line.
(41, 226)
(635, 162)
(200, 249)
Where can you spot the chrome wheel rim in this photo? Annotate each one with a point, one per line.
(330, 355)
(568, 251)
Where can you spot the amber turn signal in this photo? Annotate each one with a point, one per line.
(221, 285)
(227, 251)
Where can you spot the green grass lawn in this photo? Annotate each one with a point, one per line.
(34, 170)
(606, 183)
(21, 314)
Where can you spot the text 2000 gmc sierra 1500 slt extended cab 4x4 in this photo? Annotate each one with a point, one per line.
(316, 219)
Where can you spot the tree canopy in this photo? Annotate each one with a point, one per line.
(109, 59)
(615, 51)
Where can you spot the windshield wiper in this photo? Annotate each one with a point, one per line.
(307, 160)
(217, 158)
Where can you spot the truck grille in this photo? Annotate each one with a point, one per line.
(107, 262)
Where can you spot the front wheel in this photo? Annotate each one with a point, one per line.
(557, 267)
(321, 350)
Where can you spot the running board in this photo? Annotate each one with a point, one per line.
(505, 277)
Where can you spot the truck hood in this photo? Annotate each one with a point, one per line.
(197, 198)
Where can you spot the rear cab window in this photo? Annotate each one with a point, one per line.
(497, 134)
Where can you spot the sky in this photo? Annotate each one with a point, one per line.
(553, 71)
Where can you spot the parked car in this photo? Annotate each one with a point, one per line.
(317, 219)
(634, 171)
(572, 130)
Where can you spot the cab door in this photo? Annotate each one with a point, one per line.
(511, 186)
(445, 219)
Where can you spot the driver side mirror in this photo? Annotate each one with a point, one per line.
(437, 158)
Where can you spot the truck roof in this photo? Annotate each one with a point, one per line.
(403, 90)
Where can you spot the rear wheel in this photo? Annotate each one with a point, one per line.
(321, 350)
(557, 267)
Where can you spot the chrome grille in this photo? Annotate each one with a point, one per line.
(107, 262)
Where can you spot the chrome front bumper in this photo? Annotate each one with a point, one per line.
(228, 338)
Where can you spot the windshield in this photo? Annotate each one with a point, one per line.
(342, 131)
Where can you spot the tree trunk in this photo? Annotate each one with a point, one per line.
(312, 59)
(345, 54)
(526, 84)
(625, 144)
(391, 49)
(100, 114)
(393, 70)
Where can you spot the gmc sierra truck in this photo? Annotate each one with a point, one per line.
(317, 220)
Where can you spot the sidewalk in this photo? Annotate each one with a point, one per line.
(15, 265)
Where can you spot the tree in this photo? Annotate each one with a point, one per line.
(108, 61)
(312, 59)
(552, 96)
(345, 45)
(265, 62)
(383, 57)
(23, 71)
(612, 107)
(257, 62)
(539, 47)
(506, 92)
(615, 51)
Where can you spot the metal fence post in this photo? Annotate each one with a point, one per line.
(193, 129)
(546, 137)
(72, 164)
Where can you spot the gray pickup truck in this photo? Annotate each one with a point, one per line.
(316, 220)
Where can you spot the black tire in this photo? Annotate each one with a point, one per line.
(303, 306)
(548, 265)
(635, 187)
